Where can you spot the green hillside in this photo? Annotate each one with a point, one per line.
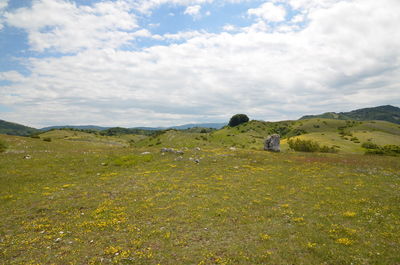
(11, 128)
(71, 197)
(347, 136)
(385, 113)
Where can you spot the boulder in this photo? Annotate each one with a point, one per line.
(171, 150)
(272, 143)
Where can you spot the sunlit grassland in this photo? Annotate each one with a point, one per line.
(92, 201)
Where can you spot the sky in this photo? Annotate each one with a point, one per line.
(169, 62)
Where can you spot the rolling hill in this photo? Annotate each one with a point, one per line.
(11, 128)
(383, 113)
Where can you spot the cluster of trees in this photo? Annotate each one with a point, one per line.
(238, 119)
(374, 149)
(310, 146)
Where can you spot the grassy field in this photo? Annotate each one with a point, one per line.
(86, 199)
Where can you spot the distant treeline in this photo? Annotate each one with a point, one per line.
(115, 131)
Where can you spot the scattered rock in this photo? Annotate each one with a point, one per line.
(27, 157)
(57, 240)
(272, 143)
(179, 158)
(197, 149)
(197, 161)
(145, 153)
(171, 150)
(232, 148)
(167, 150)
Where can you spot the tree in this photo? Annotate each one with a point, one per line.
(238, 119)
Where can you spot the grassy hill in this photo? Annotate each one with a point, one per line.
(84, 198)
(347, 136)
(11, 128)
(385, 113)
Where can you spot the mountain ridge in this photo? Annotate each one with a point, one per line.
(12, 128)
(383, 113)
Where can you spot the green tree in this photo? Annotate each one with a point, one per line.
(238, 119)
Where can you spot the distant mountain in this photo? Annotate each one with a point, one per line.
(99, 128)
(199, 125)
(11, 128)
(383, 113)
(149, 128)
(80, 127)
(185, 126)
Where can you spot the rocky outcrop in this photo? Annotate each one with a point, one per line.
(272, 143)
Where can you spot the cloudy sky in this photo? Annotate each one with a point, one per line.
(169, 62)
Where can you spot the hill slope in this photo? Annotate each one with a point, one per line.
(86, 199)
(384, 113)
(11, 128)
(80, 127)
(346, 135)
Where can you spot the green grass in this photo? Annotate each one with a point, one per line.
(86, 199)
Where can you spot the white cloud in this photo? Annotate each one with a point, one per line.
(3, 6)
(12, 76)
(346, 57)
(185, 35)
(269, 12)
(229, 27)
(146, 6)
(65, 27)
(193, 10)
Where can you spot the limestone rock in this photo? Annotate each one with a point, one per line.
(272, 143)
(172, 150)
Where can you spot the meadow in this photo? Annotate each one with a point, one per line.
(88, 199)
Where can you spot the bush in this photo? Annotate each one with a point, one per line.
(3, 146)
(369, 145)
(309, 146)
(238, 119)
(374, 149)
(47, 139)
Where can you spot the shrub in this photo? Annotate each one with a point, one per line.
(374, 152)
(3, 146)
(47, 139)
(369, 145)
(238, 119)
(374, 149)
(309, 146)
(391, 149)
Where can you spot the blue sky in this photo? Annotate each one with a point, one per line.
(168, 62)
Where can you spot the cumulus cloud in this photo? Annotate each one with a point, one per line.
(193, 10)
(346, 57)
(269, 12)
(229, 27)
(65, 27)
(146, 6)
